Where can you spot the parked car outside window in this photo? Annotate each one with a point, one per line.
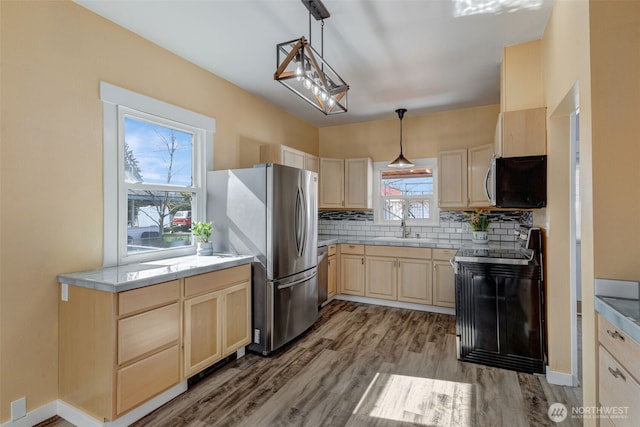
(182, 220)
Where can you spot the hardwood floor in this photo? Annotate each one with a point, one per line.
(366, 365)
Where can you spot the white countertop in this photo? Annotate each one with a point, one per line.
(126, 277)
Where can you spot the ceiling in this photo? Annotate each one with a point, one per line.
(423, 55)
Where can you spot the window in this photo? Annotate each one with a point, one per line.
(406, 194)
(154, 176)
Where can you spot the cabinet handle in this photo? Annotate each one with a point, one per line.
(362, 261)
(617, 373)
(615, 335)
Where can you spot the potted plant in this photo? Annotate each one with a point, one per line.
(480, 224)
(202, 231)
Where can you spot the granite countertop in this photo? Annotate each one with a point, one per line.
(126, 277)
(618, 302)
(324, 240)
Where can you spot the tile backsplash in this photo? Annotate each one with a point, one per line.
(453, 228)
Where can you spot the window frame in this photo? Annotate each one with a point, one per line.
(378, 199)
(118, 103)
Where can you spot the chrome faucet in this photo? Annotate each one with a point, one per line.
(405, 230)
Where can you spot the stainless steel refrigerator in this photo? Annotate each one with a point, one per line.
(270, 211)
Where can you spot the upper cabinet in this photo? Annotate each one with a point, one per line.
(521, 77)
(283, 155)
(524, 133)
(452, 178)
(479, 162)
(462, 177)
(346, 183)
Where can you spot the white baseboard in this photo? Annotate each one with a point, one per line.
(397, 304)
(34, 417)
(561, 378)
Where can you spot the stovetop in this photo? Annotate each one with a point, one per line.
(495, 255)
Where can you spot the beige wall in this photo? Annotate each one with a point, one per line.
(54, 54)
(565, 62)
(423, 136)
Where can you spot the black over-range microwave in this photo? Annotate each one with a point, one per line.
(517, 182)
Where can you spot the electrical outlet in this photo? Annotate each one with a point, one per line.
(65, 292)
(256, 336)
(18, 408)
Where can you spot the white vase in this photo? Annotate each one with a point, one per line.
(481, 237)
(204, 249)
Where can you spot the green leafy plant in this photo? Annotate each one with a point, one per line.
(479, 221)
(202, 230)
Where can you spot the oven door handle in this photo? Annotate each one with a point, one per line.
(297, 282)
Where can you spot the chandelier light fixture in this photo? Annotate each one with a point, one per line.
(305, 72)
(401, 161)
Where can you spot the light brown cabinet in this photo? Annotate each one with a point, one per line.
(618, 373)
(524, 132)
(444, 290)
(283, 155)
(216, 316)
(462, 177)
(332, 279)
(381, 277)
(346, 183)
(452, 178)
(352, 273)
(118, 350)
(479, 162)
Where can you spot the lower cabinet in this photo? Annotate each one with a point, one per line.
(444, 281)
(398, 273)
(332, 278)
(217, 322)
(118, 350)
(618, 374)
(352, 274)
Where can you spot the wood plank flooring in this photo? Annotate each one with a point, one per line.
(366, 365)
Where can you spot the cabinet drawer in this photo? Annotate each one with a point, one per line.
(398, 252)
(352, 249)
(148, 331)
(443, 254)
(215, 280)
(149, 296)
(332, 250)
(618, 389)
(147, 378)
(620, 345)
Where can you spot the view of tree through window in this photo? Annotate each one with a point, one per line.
(406, 194)
(158, 174)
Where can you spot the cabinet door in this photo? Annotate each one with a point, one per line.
(292, 157)
(381, 277)
(479, 159)
(352, 274)
(202, 332)
(236, 317)
(332, 286)
(331, 183)
(452, 178)
(311, 163)
(414, 281)
(444, 293)
(524, 133)
(358, 191)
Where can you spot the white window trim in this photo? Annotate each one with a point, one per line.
(378, 167)
(112, 97)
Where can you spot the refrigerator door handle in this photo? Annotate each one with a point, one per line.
(300, 221)
(297, 282)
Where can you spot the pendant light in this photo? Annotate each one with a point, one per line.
(401, 161)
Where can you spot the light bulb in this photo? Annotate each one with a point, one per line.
(332, 101)
(307, 83)
(299, 72)
(323, 96)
